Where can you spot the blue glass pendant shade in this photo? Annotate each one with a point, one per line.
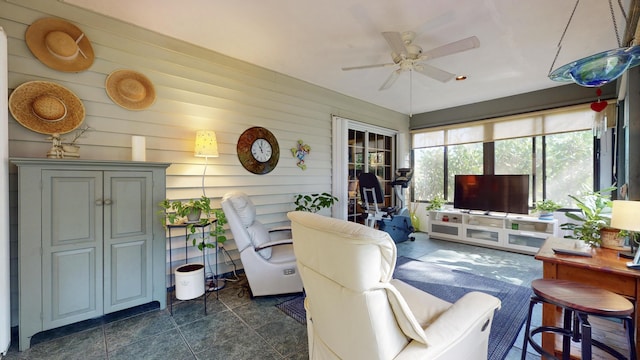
(598, 69)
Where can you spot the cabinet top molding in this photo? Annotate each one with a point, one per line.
(80, 162)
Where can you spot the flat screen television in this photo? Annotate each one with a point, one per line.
(492, 193)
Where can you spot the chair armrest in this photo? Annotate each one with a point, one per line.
(280, 233)
(469, 311)
(280, 228)
(273, 243)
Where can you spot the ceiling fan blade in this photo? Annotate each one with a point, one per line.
(366, 66)
(451, 48)
(390, 80)
(433, 72)
(394, 39)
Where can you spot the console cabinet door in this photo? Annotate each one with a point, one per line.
(72, 251)
(128, 239)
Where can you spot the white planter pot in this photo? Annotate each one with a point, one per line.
(189, 281)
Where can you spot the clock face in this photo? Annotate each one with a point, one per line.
(261, 150)
(258, 150)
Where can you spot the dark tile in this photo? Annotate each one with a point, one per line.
(137, 328)
(167, 345)
(212, 330)
(189, 311)
(286, 335)
(260, 312)
(88, 344)
(247, 345)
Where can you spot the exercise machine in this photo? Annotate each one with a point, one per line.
(393, 220)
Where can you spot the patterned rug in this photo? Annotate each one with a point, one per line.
(451, 285)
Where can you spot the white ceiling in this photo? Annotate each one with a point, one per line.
(313, 39)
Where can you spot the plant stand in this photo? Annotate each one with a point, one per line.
(186, 247)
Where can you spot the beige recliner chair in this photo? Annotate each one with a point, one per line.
(267, 256)
(355, 310)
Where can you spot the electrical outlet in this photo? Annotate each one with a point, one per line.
(289, 271)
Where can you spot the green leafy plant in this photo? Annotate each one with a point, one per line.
(595, 214)
(176, 212)
(436, 203)
(546, 205)
(314, 202)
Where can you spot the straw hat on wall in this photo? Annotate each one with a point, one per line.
(60, 45)
(130, 89)
(46, 107)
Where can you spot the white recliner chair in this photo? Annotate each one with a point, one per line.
(355, 310)
(267, 256)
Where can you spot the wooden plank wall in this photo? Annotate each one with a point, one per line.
(196, 89)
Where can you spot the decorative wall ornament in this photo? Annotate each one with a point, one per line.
(299, 152)
(46, 107)
(60, 45)
(130, 89)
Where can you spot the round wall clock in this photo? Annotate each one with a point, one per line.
(258, 150)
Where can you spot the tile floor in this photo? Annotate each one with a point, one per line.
(237, 327)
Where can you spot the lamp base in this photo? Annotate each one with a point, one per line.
(215, 284)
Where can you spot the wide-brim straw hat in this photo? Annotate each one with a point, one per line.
(130, 89)
(60, 45)
(46, 107)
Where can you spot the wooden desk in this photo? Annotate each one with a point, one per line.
(604, 269)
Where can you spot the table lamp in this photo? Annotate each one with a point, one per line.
(206, 147)
(624, 216)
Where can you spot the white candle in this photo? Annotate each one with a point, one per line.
(138, 148)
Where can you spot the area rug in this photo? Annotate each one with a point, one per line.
(451, 285)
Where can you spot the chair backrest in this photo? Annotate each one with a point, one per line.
(370, 189)
(346, 269)
(241, 217)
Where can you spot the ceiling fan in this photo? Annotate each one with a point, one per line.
(408, 56)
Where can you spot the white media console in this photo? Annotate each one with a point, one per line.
(518, 233)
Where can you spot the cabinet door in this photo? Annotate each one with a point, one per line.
(71, 246)
(128, 239)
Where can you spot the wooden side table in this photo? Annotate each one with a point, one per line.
(604, 269)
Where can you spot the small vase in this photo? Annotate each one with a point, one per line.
(194, 215)
(545, 216)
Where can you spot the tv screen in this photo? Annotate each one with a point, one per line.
(497, 193)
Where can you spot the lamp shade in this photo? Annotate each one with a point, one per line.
(206, 144)
(625, 215)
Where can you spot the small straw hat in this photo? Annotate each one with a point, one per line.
(60, 45)
(46, 107)
(130, 89)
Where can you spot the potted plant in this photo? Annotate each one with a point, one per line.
(595, 214)
(191, 212)
(314, 202)
(436, 203)
(545, 208)
(190, 276)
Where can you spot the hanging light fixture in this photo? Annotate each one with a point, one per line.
(601, 68)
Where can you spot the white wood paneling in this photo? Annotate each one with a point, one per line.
(196, 89)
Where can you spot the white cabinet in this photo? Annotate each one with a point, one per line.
(89, 240)
(516, 233)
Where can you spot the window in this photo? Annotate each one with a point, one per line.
(569, 164)
(463, 159)
(555, 147)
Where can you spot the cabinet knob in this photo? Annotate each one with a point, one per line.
(107, 202)
(99, 202)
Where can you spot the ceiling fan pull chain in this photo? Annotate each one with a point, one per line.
(410, 92)
(563, 34)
